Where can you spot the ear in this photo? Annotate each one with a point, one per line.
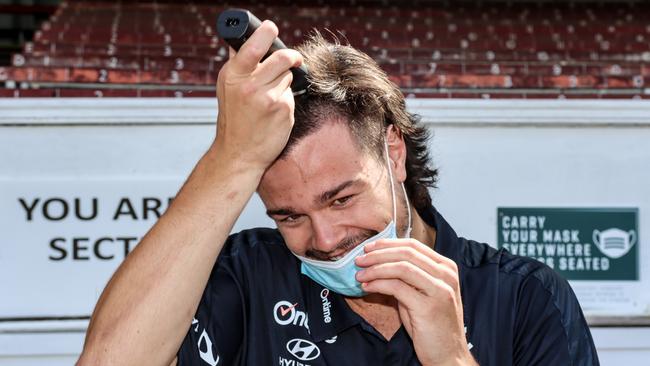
(396, 152)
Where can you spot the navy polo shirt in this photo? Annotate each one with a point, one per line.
(258, 309)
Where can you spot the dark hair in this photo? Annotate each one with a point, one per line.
(348, 85)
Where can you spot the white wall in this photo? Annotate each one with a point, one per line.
(490, 153)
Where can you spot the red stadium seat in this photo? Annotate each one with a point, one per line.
(583, 48)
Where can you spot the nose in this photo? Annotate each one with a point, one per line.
(326, 235)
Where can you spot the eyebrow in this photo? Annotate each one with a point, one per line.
(322, 198)
(327, 195)
(283, 211)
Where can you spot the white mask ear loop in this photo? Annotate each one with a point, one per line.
(392, 191)
(408, 210)
(392, 186)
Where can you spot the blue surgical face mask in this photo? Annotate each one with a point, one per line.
(339, 275)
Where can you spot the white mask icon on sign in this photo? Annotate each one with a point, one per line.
(614, 242)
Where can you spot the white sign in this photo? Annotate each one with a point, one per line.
(61, 240)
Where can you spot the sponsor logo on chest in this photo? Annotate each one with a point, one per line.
(303, 350)
(286, 313)
(327, 305)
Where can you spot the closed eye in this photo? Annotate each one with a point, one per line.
(340, 202)
(290, 219)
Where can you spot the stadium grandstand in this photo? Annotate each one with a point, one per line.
(431, 49)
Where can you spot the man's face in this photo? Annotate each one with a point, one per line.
(327, 196)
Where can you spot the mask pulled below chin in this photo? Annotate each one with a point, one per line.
(340, 275)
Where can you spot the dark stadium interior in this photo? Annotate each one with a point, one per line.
(432, 49)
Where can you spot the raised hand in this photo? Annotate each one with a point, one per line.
(255, 101)
(427, 289)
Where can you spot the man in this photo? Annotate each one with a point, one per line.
(362, 269)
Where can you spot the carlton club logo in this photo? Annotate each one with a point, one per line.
(285, 313)
(205, 346)
(302, 349)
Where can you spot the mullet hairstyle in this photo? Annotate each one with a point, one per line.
(347, 85)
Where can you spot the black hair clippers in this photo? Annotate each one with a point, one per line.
(235, 26)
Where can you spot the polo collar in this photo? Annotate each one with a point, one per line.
(447, 241)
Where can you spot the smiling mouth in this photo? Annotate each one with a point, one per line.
(329, 257)
(334, 258)
(343, 248)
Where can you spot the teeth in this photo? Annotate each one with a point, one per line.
(336, 258)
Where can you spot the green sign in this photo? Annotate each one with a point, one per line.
(579, 243)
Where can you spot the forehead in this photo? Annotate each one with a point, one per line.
(316, 163)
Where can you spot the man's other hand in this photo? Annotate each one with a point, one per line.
(427, 289)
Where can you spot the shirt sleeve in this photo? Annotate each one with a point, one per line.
(216, 332)
(550, 328)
